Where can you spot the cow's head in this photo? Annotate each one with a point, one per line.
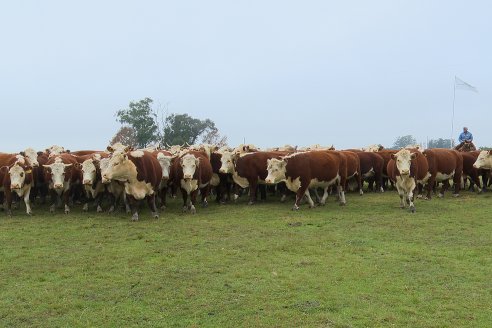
(119, 148)
(276, 170)
(103, 166)
(484, 160)
(18, 173)
(227, 162)
(120, 168)
(31, 156)
(403, 160)
(189, 164)
(89, 172)
(57, 171)
(165, 163)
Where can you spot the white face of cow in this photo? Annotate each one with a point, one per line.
(120, 168)
(165, 162)
(189, 163)
(17, 177)
(484, 160)
(227, 162)
(403, 160)
(276, 170)
(103, 165)
(57, 170)
(88, 172)
(32, 157)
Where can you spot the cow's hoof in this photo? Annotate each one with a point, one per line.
(205, 204)
(456, 195)
(185, 209)
(361, 192)
(412, 209)
(312, 206)
(111, 209)
(163, 207)
(440, 195)
(282, 199)
(85, 208)
(155, 215)
(99, 209)
(322, 203)
(29, 213)
(251, 203)
(295, 208)
(9, 213)
(67, 211)
(135, 217)
(420, 196)
(192, 209)
(343, 203)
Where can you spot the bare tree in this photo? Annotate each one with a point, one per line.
(126, 135)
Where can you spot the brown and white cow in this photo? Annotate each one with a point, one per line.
(484, 162)
(444, 164)
(353, 170)
(165, 159)
(61, 174)
(407, 169)
(249, 170)
(16, 176)
(472, 173)
(92, 181)
(313, 169)
(141, 174)
(371, 167)
(192, 172)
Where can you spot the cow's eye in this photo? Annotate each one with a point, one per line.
(22, 174)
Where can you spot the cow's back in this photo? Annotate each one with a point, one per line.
(254, 165)
(444, 161)
(148, 168)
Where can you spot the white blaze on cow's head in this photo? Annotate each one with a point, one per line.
(32, 157)
(484, 160)
(103, 166)
(165, 163)
(17, 175)
(403, 160)
(189, 164)
(276, 170)
(89, 172)
(119, 148)
(227, 162)
(57, 171)
(120, 168)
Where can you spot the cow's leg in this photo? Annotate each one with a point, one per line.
(193, 201)
(112, 201)
(27, 200)
(299, 195)
(401, 193)
(163, 195)
(325, 196)
(98, 201)
(185, 200)
(430, 186)
(444, 187)
(308, 198)
(253, 184)
(204, 193)
(152, 206)
(359, 183)
(410, 195)
(54, 200)
(133, 204)
(8, 200)
(263, 191)
(456, 182)
(236, 192)
(341, 194)
(316, 194)
(283, 191)
(66, 199)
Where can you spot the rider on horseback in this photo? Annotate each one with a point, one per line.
(466, 141)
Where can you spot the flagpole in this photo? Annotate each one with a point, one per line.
(452, 120)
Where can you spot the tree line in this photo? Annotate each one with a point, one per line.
(142, 126)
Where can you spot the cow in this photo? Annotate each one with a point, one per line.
(373, 148)
(313, 169)
(249, 170)
(353, 170)
(386, 154)
(61, 174)
(484, 162)
(371, 167)
(16, 176)
(223, 188)
(192, 172)
(116, 189)
(165, 159)
(141, 174)
(444, 164)
(92, 181)
(472, 173)
(408, 168)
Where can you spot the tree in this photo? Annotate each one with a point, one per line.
(213, 137)
(126, 135)
(403, 141)
(142, 119)
(182, 128)
(439, 143)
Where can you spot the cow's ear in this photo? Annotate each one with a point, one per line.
(393, 156)
(67, 151)
(22, 153)
(40, 153)
(4, 169)
(110, 149)
(268, 162)
(413, 156)
(490, 152)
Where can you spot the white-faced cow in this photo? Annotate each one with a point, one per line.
(16, 177)
(141, 174)
(305, 170)
(193, 172)
(61, 174)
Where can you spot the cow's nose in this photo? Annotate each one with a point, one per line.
(87, 182)
(404, 172)
(475, 166)
(222, 170)
(15, 186)
(58, 186)
(187, 176)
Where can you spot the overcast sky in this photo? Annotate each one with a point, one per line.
(348, 73)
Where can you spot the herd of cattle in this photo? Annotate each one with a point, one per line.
(125, 176)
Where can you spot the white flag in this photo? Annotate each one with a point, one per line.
(462, 85)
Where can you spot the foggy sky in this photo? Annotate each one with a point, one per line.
(348, 73)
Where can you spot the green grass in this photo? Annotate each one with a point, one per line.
(369, 264)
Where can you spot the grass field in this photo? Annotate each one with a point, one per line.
(369, 264)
